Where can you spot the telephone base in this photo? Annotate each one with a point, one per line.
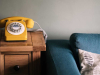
(9, 38)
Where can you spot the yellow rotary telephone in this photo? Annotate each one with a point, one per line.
(16, 28)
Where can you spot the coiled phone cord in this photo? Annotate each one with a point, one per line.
(35, 30)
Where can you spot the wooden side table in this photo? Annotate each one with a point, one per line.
(21, 58)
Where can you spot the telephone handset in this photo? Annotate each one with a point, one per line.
(16, 28)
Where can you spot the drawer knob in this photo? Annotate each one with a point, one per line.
(16, 67)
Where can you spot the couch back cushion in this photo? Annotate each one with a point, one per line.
(88, 42)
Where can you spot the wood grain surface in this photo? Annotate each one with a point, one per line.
(16, 48)
(27, 54)
(35, 40)
(0, 64)
(38, 41)
(9, 60)
(12, 60)
(36, 62)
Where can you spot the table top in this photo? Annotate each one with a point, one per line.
(35, 42)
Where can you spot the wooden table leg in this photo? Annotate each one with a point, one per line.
(0, 63)
(36, 62)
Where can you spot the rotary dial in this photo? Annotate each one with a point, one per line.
(15, 28)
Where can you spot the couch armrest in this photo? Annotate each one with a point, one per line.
(59, 58)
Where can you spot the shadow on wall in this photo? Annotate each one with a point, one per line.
(1, 17)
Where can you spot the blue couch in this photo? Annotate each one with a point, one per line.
(62, 55)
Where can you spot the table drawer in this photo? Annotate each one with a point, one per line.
(16, 64)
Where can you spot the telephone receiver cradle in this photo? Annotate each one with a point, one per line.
(16, 28)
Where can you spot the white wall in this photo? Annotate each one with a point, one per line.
(59, 18)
